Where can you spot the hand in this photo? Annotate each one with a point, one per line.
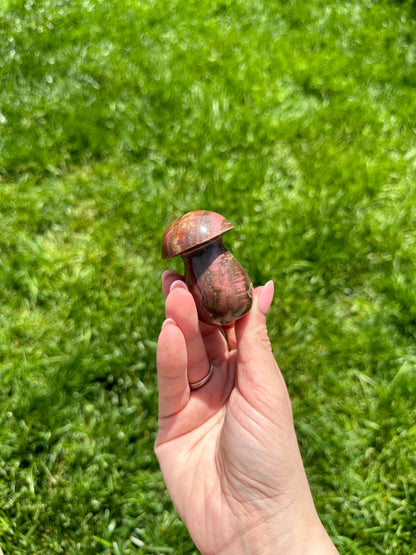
(228, 451)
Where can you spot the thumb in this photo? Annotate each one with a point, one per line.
(258, 373)
(251, 332)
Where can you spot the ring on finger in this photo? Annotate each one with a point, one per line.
(196, 385)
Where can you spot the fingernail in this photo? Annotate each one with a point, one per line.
(178, 284)
(168, 321)
(266, 297)
(167, 273)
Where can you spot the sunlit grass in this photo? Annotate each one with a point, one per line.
(295, 121)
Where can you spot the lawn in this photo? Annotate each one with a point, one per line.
(296, 121)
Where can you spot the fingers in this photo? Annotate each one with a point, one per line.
(265, 297)
(230, 335)
(254, 349)
(201, 338)
(258, 376)
(168, 277)
(181, 307)
(251, 331)
(215, 344)
(258, 373)
(172, 376)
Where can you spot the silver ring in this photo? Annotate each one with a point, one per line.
(196, 385)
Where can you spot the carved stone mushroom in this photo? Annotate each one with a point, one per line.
(219, 284)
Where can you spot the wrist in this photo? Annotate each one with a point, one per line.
(286, 535)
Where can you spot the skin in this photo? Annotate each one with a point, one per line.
(228, 451)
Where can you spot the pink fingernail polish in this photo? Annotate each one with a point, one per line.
(266, 297)
(178, 284)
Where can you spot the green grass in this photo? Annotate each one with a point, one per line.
(296, 121)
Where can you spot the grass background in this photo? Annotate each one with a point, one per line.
(294, 120)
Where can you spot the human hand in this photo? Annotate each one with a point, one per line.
(228, 450)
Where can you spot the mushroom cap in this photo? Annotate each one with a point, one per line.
(191, 231)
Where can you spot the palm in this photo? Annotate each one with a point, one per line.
(223, 469)
(192, 476)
